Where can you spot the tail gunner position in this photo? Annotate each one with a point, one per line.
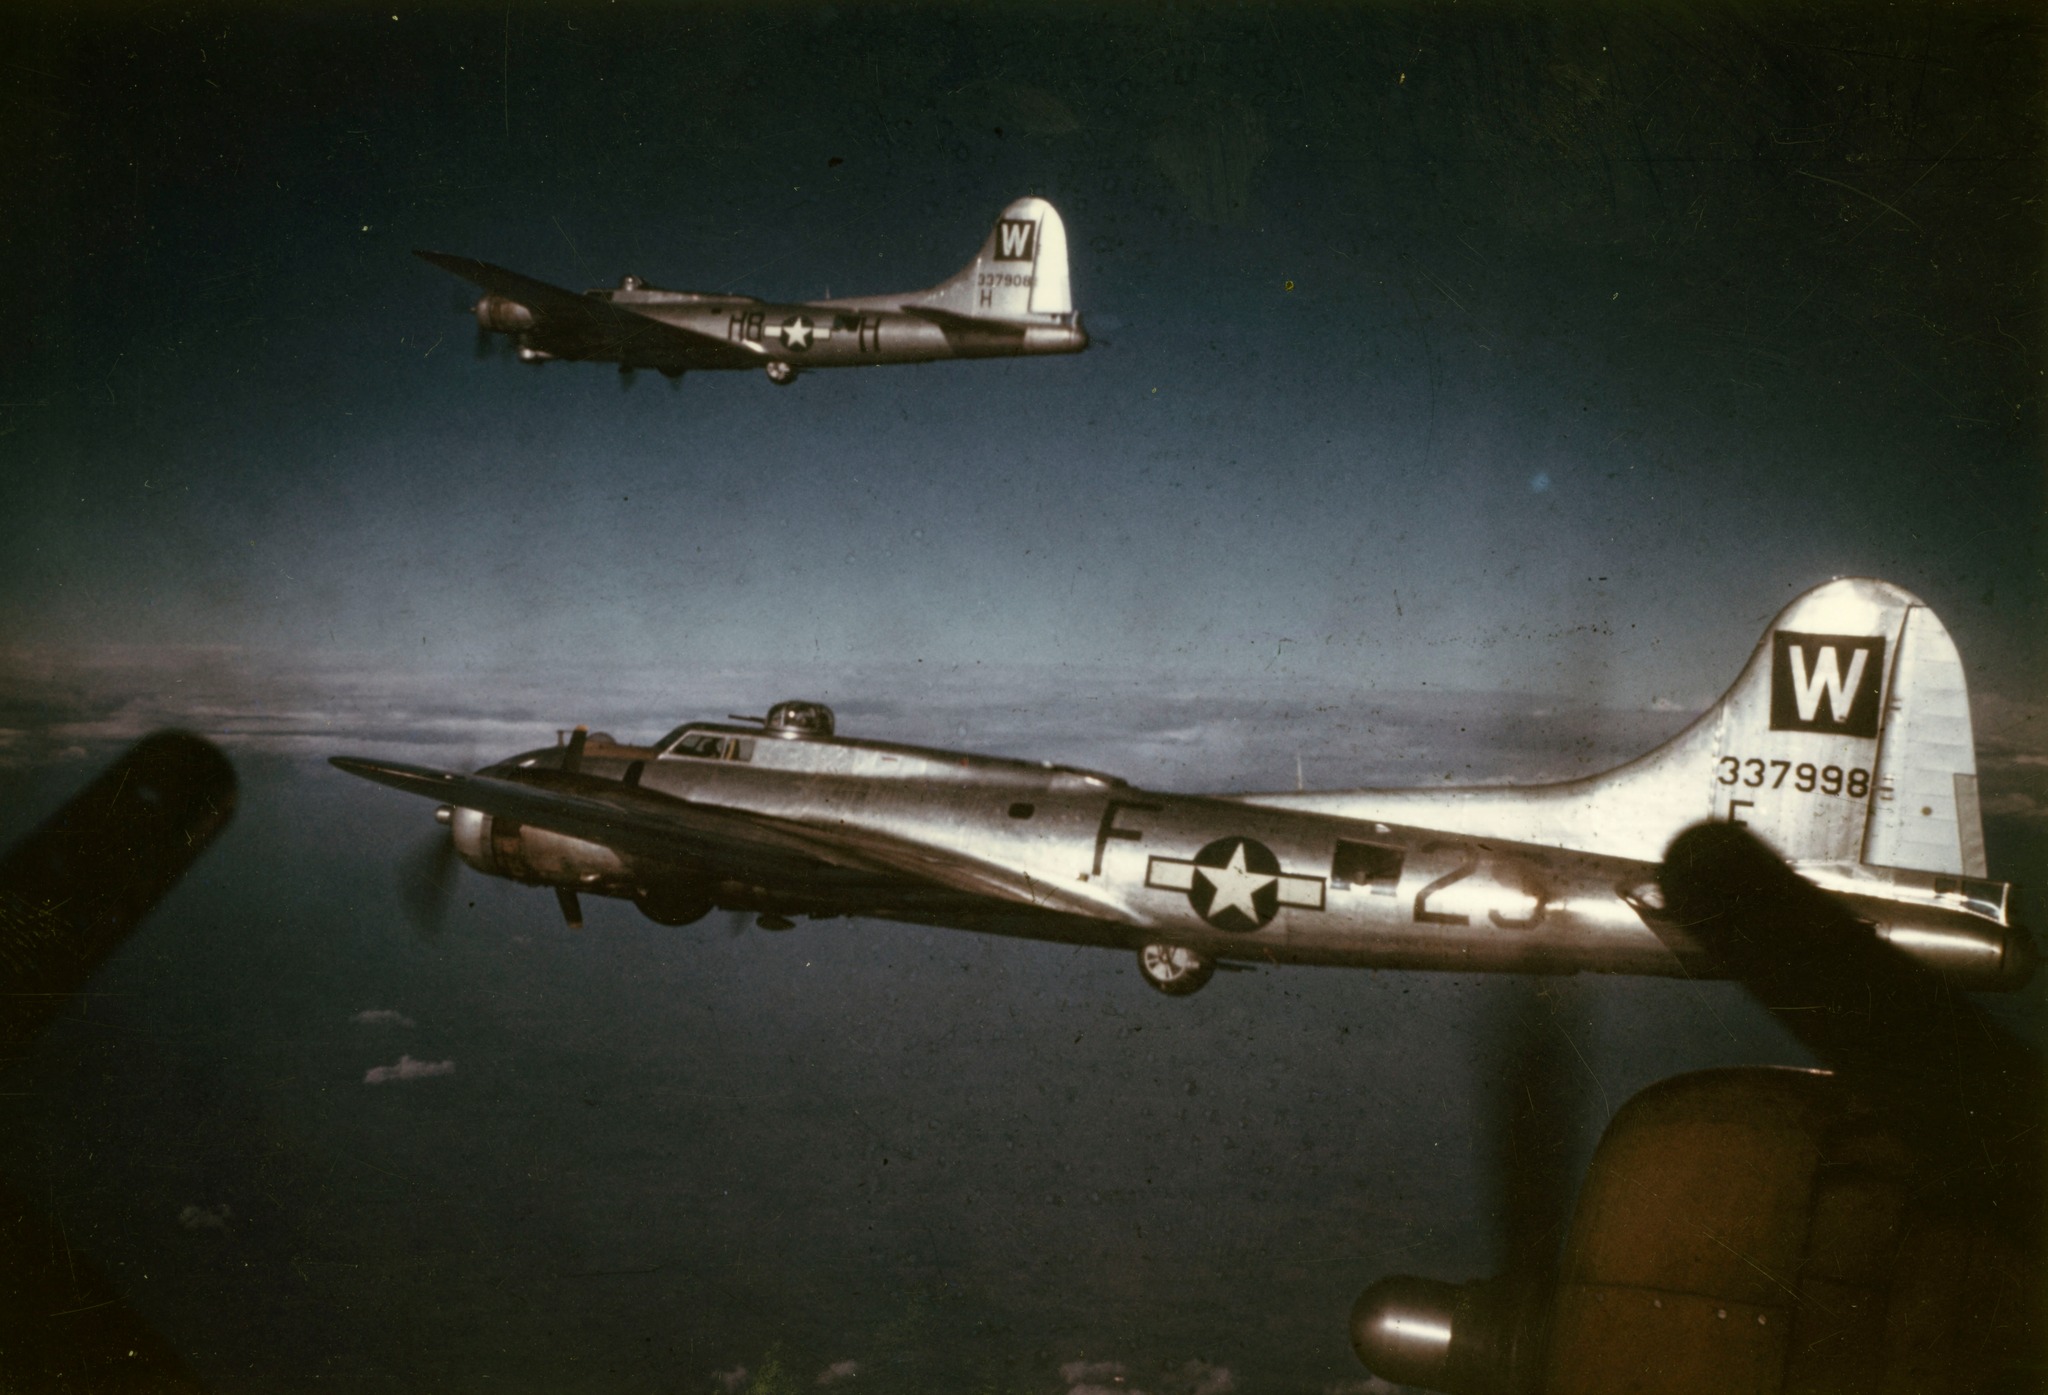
(1012, 299)
(1845, 745)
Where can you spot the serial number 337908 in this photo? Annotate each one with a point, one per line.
(1806, 777)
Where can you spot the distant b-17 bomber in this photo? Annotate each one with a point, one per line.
(1012, 300)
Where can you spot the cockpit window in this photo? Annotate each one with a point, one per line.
(711, 745)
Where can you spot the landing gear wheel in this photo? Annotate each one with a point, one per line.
(780, 373)
(673, 905)
(1175, 970)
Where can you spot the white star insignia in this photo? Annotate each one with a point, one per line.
(796, 333)
(1234, 886)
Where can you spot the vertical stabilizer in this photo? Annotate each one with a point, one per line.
(1846, 739)
(1020, 273)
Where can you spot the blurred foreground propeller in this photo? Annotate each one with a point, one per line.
(1877, 1226)
(426, 880)
(70, 893)
(1486, 1337)
(1970, 1097)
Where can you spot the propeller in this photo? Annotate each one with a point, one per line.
(426, 879)
(1487, 1337)
(1967, 1095)
(626, 377)
(1534, 1112)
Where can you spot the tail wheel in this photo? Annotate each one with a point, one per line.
(780, 373)
(1175, 970)
(668, 905)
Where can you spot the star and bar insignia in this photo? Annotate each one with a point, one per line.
(1235, 884)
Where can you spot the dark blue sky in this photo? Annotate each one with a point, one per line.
(1609, 331)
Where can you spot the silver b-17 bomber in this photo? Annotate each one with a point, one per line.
(1012, 299)
(1845, 745)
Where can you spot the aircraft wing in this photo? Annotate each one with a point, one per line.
(717, 841)
(600, 328)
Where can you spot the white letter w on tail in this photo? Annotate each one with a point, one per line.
(1826, 676)
(1807, 668)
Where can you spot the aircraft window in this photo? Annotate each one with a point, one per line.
(740, 748)
(703, 745)
(1021, 810)
(1365, 864)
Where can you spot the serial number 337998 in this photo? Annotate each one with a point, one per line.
(1806, 777)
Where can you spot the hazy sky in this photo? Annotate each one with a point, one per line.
(1609, 331)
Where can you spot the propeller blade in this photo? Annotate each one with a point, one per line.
(572, 908)
(1533, 1122)
(1967, 1092)
(625, 377)
(426, 877)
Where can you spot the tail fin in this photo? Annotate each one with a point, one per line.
(1020, 273)
(1845, 740)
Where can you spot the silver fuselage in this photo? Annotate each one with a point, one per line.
(847, 333)
(1102, 862)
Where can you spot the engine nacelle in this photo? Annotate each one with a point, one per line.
(503, 315)
(502, 848)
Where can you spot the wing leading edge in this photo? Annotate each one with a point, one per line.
(717, 841)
